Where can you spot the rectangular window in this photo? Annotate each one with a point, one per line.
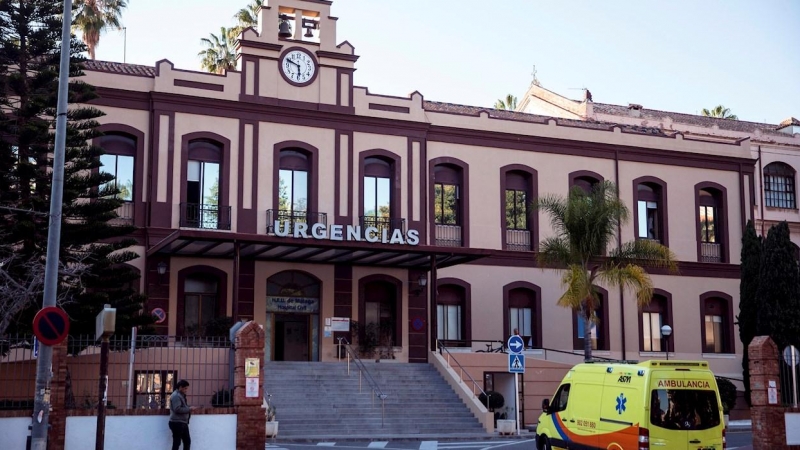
(779, 191)
(651, 331)
(521, 320)
(516, 210)
(377, 197)
(684, 409)
(153, 388)
(202, 183)
(713, 343)
(446, 204)
(708, 224)
(648, 220)
(448, 322)
(121, 168)
(293, 190)
(592, 332)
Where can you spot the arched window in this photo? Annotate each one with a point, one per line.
(379, 194)
(452, 311)
(779, 186)
(203, 199)
(584, 179)
(293, 183)
(448, 212)
(518, 190)
(202, 292)
(382, 309)
(119, 161)
(523, 312)
(652, 317)
(717, 322)
(651, 209)
(599, 329)
(711, 222)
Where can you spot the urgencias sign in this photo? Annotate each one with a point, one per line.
(345, 233)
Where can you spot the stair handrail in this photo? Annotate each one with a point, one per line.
(442, 348)
(362, 369)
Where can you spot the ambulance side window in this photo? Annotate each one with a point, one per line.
(560, 399)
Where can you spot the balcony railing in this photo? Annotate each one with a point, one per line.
(518, 240)
(383, 223)
(124, 215)
(207, 217)
(448, 235)
(710, 252)
(293, 217)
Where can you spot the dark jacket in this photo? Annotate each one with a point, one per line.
(179, 410)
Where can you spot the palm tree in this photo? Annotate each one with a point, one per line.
(720, 112)
(245, 18)
(219, 54)
(510, 103)
(94, 17)
(585, 224)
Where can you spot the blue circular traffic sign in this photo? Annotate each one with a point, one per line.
(516, 344)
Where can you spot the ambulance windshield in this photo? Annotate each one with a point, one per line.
(684, 409)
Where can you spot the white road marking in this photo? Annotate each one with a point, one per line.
(377, 444)
(326, 444)
(428, 445)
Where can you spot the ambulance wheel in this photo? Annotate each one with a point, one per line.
(544, 443)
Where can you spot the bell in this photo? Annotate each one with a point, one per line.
(309, 33)
(285, 29)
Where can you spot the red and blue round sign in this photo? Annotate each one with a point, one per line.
(51, 325)
(159, 314)
(418, 324)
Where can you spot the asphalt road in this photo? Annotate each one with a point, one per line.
(736, 441)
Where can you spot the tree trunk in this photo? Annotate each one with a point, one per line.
(587, 337)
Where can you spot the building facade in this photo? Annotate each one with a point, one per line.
(280, 192)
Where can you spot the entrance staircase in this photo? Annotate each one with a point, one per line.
(319, 399)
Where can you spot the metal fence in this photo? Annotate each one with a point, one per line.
(142, 372)
(790, 376)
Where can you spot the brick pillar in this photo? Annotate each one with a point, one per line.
(769, 429)
(58, 414)
(342, 300)
(417, 318)
(251, 418)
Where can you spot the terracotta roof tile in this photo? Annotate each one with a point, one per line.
(120, 68)
(691, 119)
(535, 118)
(789, 121)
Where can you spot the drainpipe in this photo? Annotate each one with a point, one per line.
(761, 190)
(619, 245)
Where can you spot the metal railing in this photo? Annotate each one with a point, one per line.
(124, 215)
(293, 217)
(362, 373)
(383, 223)
(790, 376)
(207, 217)
(710, 252)
(498, 346)
(142, 371)
(475, 386)
(448, 235)
(518, 240)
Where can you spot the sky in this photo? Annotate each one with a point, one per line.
(673, 55)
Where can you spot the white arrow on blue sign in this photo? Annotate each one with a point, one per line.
(516, 363)
(516, 344)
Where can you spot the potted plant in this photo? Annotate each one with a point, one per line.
(271, 429)
(727, 393)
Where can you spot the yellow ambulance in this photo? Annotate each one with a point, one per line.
(670, 405)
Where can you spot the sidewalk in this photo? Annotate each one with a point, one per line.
(739, 426)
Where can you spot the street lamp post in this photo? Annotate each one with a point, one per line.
(666, 331)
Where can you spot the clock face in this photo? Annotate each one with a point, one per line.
(298, 67)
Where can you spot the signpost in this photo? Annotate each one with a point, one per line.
(105, 324)
(516, 365)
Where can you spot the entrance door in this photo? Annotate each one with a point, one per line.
(291, 337)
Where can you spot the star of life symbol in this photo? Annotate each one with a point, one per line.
(621, 400)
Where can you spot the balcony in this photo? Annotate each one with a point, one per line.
(206, 217)
(448, 236)
(124, 215)
(710, 252)
(518, 240)
(383, 223)
(293, 217)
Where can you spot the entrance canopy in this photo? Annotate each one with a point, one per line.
(213, 244)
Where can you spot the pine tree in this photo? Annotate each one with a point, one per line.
(778, 289)
(748, 307)
(30, 37)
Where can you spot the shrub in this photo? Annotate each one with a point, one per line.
(727, 392)
(222, 398)
(496, 400)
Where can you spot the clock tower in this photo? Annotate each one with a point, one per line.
(293, 58)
